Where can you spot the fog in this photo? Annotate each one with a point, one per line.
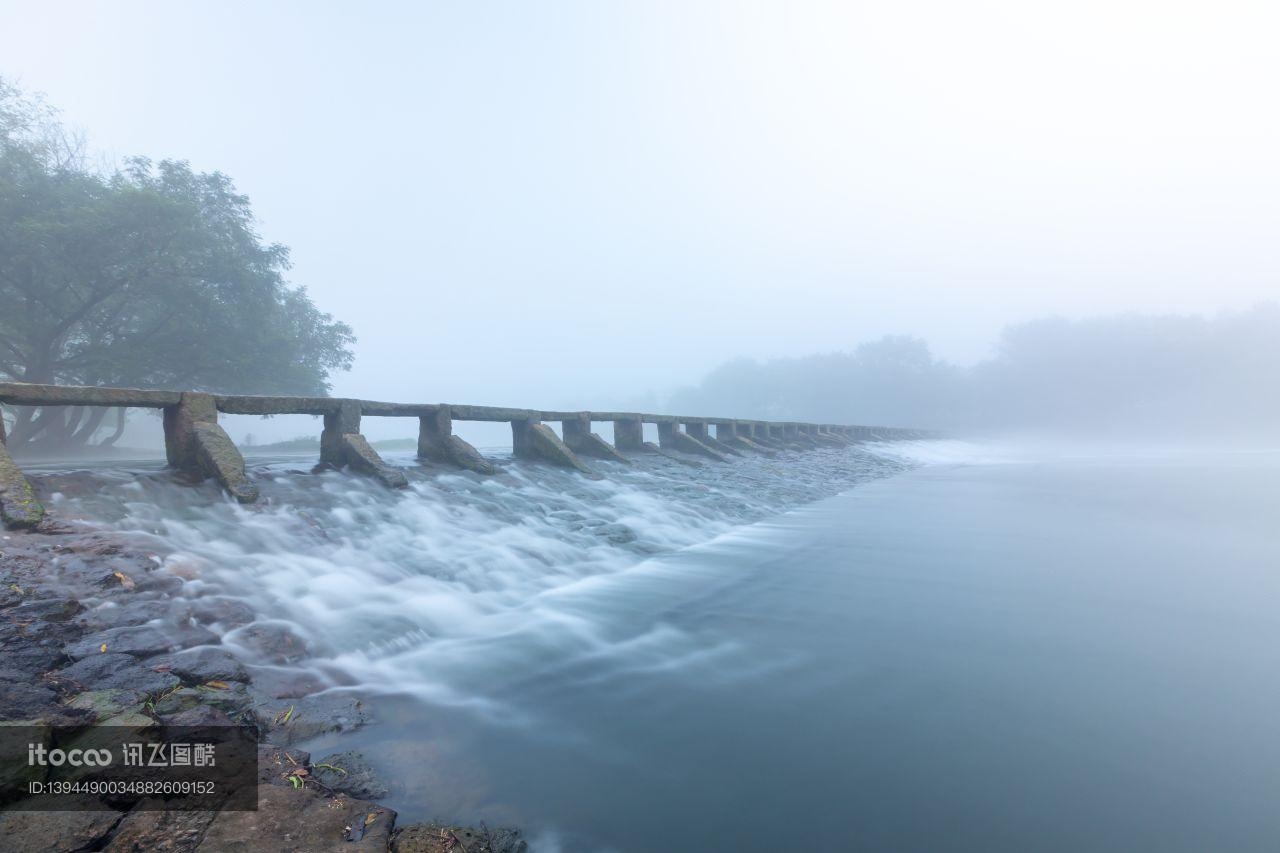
(1111, 378)
(586, 205)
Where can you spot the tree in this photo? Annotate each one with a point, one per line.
(151, 275)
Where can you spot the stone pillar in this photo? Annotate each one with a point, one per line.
(344, 421)
(726, 432)
(522, 439)
(575, 429)
(628, 434)
(433, 435)
(179, 422)
(196, 445)
(667, 435)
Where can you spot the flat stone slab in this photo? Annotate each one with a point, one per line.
(349, 773)
(220, 459)
(551, 449)
(116, 671)
(590, 444)
(47, 832)
(289, 721)
(686, 443)
(140, 641)
(207, 663)
(360, 456)
(301, 820)
(452, 450)
(441, 838)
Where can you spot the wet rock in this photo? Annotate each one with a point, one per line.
(178, 701)
(49, 610)
(144, 831)
(45, 832)
(235, 700)
(440, 838)
(301, 821)
(105, 704)
(201, 716)
(277, 762)
(140, 640)
(349, 773)
(270, 642)
(276, 683)
(31, 656)
(20, 701)
(227, 613)
(134, 610)
(116, 671)
(310, 716)
(206, 663)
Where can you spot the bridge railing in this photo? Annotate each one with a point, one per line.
(196, 445)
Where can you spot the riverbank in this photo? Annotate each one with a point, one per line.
(94, 631)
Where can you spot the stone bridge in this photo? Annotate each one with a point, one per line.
(197, 446)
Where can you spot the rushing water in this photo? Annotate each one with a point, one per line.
(983, 652)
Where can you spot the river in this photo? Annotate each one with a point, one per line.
(921, 647)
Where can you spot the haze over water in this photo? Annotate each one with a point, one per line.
(976, 650)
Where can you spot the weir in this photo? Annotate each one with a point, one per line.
(197, 447)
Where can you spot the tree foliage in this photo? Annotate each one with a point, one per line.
(148, 275)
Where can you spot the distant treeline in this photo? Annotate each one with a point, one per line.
(1127, 375)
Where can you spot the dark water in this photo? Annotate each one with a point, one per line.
(1075, 655)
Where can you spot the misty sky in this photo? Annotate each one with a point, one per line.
(569, 204)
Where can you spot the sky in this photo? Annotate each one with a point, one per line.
(576, 204)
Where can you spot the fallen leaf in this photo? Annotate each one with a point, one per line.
(125, 580)
(102, 648)
(218, 685)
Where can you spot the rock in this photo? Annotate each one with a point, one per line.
(226, 613)
(270, 642)
(312, 716)
(33, 657)
(104, 704)
(19, 508)
(277, 683)
(50, 610)
(276, 762)
(439, 838)
(233, 701)
(290, 820)
(148, 831)
(140, 640)
(47, 832)
(177, 701)
(349, 773)
(27, 702)
(201, 716)
(206, 663)
(115, 671)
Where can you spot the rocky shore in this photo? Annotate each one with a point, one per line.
(95, 629)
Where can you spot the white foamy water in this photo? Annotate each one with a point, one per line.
(407, 591)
